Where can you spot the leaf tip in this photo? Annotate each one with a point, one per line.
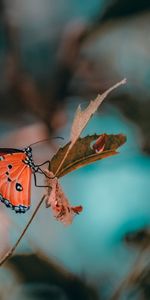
(124, 81)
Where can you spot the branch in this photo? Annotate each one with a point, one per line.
(11, 251)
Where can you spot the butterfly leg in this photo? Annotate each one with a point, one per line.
(35, 181)
(42, 172)
(45, 162)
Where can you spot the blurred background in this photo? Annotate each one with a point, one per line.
(53, 56)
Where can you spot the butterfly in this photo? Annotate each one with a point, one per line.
(16, 169)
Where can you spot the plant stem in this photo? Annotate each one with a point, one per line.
(11, 251)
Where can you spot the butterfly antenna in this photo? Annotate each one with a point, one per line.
(45, 140)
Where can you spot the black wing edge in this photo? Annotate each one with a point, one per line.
(16, 208)
(10, 150)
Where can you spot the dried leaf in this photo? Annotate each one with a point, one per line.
(83, 152)
(58, 201)
(82, 118)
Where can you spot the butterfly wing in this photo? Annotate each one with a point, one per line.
(15, 181)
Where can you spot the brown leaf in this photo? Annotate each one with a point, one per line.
(58, 201)
(83, 152)
(82, 118)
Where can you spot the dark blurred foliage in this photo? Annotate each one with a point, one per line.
(49, 281)
(124, 8)
(140, 238)
(143, 284)
(138, 113)
(129, 104)
(43, 98)
(138, 287)
(22, 91)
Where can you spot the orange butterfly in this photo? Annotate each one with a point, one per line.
(16, 168)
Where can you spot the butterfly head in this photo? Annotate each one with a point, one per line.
(28, 151)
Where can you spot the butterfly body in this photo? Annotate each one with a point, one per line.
(16, 168)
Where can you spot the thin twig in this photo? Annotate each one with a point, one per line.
(11, 251)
